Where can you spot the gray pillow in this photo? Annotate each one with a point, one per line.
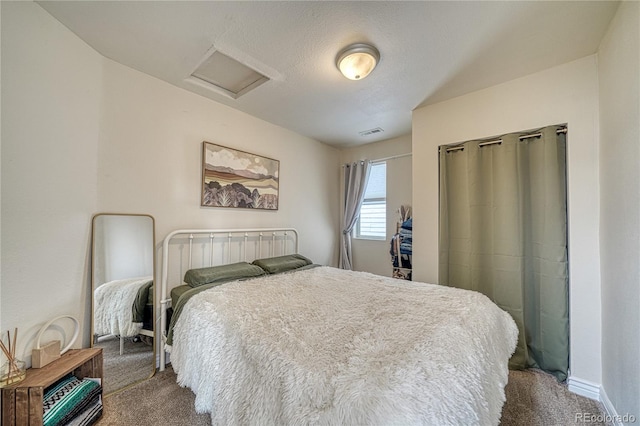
(212, 274)
(275, 265)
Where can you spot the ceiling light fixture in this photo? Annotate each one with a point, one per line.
(358, 60)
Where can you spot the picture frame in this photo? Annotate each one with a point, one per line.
(237, 179)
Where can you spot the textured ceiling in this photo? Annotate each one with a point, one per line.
(430, 51)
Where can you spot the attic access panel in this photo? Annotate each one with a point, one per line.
(225, 73)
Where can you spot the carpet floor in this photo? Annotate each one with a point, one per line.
(534, 398)
(135, 364)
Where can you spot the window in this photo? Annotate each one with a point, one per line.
(372, 223)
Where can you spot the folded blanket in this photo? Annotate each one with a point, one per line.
(406, 248)
(67, 398)
(89, 416)
(405, 235)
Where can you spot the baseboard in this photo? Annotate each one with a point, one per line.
(584, 388)
(610, 410)
(597, 392)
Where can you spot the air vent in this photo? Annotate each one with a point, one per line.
(371, 132)
(228, 75)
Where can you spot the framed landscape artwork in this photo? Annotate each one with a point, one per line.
(232, 178)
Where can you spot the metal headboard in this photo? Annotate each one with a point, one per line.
(198, 248)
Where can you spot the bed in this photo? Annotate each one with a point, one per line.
(311, 344)
(124, 308)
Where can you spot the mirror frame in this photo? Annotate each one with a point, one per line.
(93, 287)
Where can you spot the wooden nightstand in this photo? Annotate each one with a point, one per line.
(22, 402)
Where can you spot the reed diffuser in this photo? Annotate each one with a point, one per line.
(14, 370)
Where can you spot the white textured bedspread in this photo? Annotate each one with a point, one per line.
(332, 347)
(113, 307)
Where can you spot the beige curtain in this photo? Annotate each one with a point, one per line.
(356, 175)
(503, 232)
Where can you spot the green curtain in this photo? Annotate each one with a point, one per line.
(503, 232)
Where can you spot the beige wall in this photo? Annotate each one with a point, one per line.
(150, 156)
(83, 134)
(564, 94)
(619, 74)
(50, 126)
(373, 255)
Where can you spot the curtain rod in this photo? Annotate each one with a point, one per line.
(380, 160)
(348, 163)
(498, 141)
(393, 157)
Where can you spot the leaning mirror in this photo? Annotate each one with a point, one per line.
(123, 314)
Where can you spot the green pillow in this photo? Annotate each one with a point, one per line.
(212, 274)
(275, 265)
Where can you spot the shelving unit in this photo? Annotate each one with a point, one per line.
(22, 402)
(401, 245)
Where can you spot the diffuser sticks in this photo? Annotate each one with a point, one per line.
(14, 370)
